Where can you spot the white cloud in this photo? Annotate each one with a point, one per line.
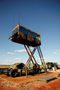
(56, 52)
(41, 58)
(17, 51)
(11, 53)
(17, 59)
(5, 62)
(21, 50)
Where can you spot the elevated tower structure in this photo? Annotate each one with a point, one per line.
(28, 38)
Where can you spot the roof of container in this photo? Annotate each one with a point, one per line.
(26, 29)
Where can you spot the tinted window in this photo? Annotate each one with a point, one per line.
(15, 31)
(23, 30)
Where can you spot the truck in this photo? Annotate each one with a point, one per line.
(19, 69)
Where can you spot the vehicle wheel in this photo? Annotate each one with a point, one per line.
(9, 72)
(14, 73)
(20, 73)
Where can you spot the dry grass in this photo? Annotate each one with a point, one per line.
(4, 66)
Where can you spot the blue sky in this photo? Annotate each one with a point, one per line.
(41, 16)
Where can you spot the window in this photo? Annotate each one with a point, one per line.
(15, 31)
(27, 32)
(38, 37)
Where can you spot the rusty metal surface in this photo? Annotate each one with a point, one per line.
(23, 40)
(47, 78)
(25, 36)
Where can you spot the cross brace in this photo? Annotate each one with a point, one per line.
(30, 53)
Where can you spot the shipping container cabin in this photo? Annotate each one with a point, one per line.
(25, 36)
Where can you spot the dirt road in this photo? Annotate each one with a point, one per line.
(30, 82)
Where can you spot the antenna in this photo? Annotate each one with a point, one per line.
(19, 20)
(14, 18)
(39, 30)
(12, 26)
(9, 27)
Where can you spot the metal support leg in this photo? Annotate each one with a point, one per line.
(30, 59)
(32, 56)
(29, 56)
(41, 57)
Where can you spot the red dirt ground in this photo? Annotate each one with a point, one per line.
(30, 82)
(51, 86)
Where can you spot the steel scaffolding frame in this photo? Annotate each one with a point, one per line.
(31, 56)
